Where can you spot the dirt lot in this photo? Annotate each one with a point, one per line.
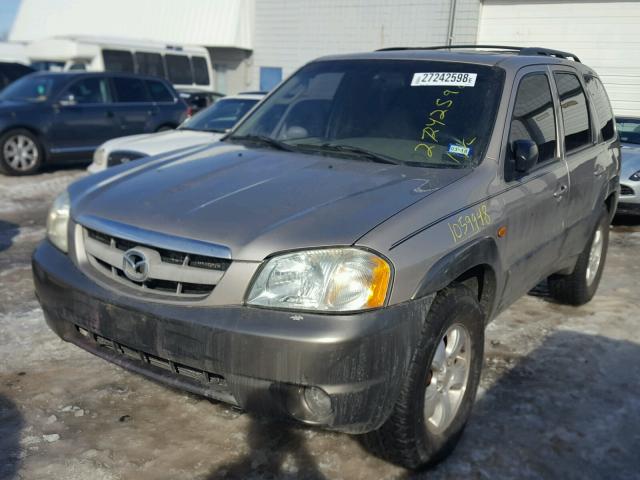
(560, 395)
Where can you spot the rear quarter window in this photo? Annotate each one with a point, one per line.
(600, 101)
(159, 92)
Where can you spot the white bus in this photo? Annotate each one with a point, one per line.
(184, 66)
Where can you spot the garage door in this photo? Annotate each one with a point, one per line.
(604, 35)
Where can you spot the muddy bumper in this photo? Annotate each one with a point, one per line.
(266, 361)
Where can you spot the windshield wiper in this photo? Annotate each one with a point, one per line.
(362, 153)
(264, 140)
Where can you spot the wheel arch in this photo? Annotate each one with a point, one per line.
(475, 265)
(38, 134)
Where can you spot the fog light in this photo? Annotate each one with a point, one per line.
(318, 402)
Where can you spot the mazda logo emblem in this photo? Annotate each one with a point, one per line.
(135, 265)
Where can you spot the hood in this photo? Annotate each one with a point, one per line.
(155, 143)
(254, 201)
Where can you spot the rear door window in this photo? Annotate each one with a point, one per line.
(200, 70)
(179, 69)
(150, 64)
(130, 90)
(534, 116)
(159, 92)
(89, 90)
(575, 112)
(602, 106)
(118, 61)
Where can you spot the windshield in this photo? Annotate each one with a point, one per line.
(629, 130)
(220, 116)
(436, 114)
(32, 88)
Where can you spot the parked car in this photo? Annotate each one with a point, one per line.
(205, 127)
(55, 117)
(336, 257)
(629, 131)
(199, 99)
(11, 71)
(630, 182)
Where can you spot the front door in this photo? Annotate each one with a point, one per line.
(535, 202)
(83, 119)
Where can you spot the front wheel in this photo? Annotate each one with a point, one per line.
(20, 153)
(438, 394)
(580, 286)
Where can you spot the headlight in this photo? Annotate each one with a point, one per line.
(57, 222)
(100, 156)
(635, 177)
(331, 279)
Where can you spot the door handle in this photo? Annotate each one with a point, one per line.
(599, 170)
(561, 191)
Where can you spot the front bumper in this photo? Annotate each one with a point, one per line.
(629, 200)
(257, 359)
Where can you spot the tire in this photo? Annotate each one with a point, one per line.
(21, 153)
(409, 438)
(580, 286)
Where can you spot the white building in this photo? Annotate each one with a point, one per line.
(255, 43)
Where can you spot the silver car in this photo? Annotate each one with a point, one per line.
(204, 127)
(629, 131)
(336, 258)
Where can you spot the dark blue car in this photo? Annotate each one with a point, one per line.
(51, 117)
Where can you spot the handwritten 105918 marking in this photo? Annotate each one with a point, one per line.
(468, 225)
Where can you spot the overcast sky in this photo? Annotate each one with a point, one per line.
(8, 9)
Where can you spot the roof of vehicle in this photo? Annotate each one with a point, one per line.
(503, 56)
(77, 74)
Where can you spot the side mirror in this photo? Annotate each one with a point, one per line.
(67, 100)
(525, 153)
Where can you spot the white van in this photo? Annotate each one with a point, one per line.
(184, 66)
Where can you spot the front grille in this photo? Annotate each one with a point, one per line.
(201, 376)
(170, 272)
(624, 190)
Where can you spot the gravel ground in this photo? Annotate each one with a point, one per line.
(559, 398)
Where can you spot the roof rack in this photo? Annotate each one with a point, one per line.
(520, 50)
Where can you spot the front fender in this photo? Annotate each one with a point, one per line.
(481, 252)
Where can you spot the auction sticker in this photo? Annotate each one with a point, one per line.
(444, 79)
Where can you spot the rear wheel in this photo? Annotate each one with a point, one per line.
(438, 394)
(20, 153)
(580, 286)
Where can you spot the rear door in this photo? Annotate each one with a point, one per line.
(135, 110)
(83, 117)
(535, 203)
(580, 149)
